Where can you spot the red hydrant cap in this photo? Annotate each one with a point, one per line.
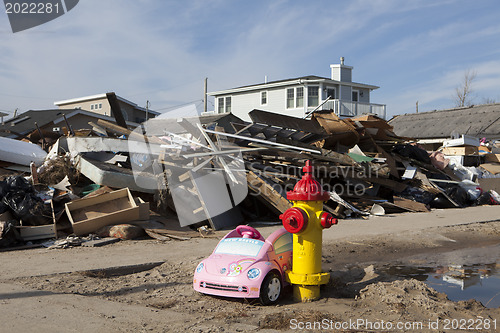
(308, 188)
(294, 220)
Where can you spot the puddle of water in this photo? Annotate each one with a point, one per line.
(460, 282)
(481, 282)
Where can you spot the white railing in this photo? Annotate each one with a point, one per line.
(353, 109)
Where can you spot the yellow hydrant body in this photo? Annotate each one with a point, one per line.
(306, 220)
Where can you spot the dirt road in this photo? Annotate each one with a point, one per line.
(145, 285)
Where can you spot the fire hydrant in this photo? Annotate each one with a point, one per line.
(306, 221)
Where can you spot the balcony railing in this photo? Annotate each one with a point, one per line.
(353, 109)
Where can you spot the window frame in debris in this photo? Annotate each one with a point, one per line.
(311, 98)
(263, 97)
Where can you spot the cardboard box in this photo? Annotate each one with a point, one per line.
(461, 151)
(493, 158)
(90, 214)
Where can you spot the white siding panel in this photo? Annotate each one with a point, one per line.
(346, 93)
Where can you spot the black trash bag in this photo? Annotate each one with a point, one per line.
(27, 207)
(455, 193)
(19, 203)
(4, 188)
(417, 194)
(9, 236)
(18, 183)
(484, 199)
(3, 207)
(414, 152)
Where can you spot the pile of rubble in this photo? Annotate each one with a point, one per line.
(219, 171)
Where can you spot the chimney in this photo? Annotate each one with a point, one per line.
(341, 72)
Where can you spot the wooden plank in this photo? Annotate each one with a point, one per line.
(267, 192)
(115, 108)
(100, 242)
(460, 151)
(125, 131)
(37, 232)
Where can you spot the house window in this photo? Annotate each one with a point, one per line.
(263, 97)
(228, 104)
(299, 101)
(290, 96)
(100, 105)
(91, 106)
(312, 96)
(221, 105)
(355, 95)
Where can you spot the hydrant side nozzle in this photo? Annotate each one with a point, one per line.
(327, 220)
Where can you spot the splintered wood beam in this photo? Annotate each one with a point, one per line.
(268, 194)
(125, 131)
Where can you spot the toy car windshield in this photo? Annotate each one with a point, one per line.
(239, 246)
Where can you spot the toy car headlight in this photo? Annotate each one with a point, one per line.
(253, 273)
(200, 267)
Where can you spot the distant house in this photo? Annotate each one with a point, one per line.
(478, 121)
(100, 104)
(301, 95)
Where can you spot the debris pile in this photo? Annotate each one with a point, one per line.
(221, 171)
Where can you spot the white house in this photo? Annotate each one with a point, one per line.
(299, 96)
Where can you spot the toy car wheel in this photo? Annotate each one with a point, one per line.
(270, 290)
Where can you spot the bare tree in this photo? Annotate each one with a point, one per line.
(464, 90)
(488, 100)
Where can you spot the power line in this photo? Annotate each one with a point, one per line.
(176, 106)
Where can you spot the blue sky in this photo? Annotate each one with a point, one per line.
(161, 50)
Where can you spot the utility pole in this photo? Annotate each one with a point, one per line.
(416, 105)
(205, 96)
(147, 110)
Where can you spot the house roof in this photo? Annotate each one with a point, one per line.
(25, 122)
(101, 96)
(91, 114)
(293, 81)
(478, 121)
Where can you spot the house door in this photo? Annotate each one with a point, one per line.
(330, 92)
(355, 95)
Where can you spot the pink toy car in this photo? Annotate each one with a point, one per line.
(246, 265)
